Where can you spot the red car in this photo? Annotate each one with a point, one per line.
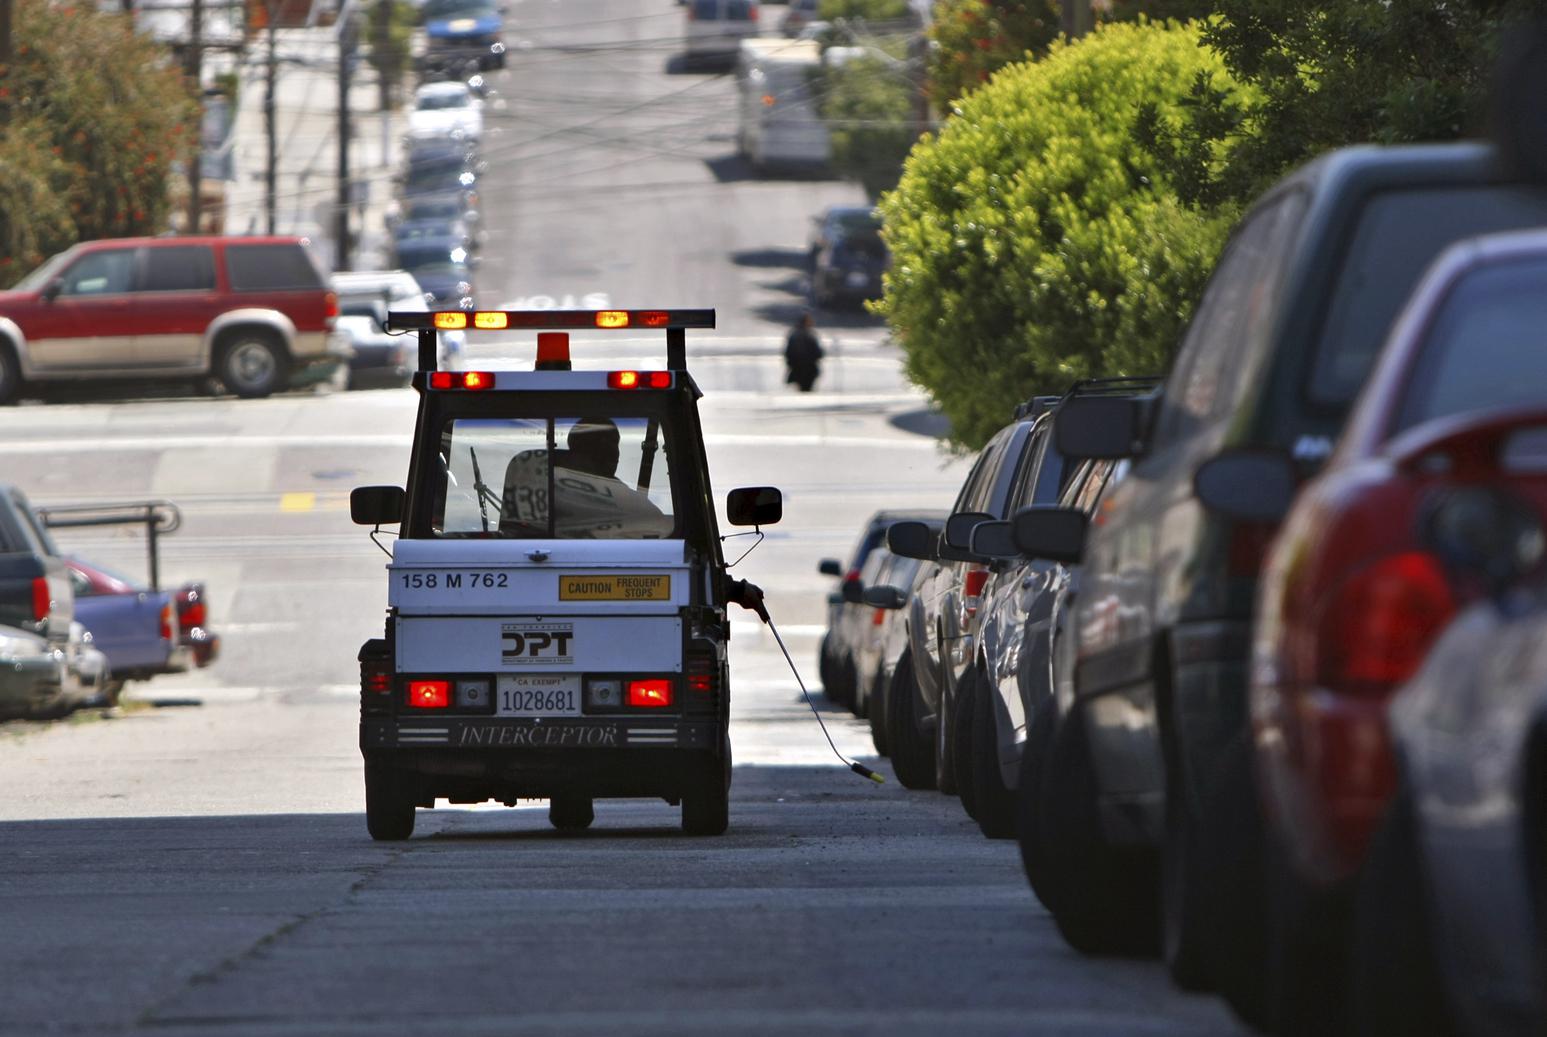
(257, 313)
(1352, 599)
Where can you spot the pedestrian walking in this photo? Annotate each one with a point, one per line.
(803, 354)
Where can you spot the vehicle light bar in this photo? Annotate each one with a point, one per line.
(639, 380)
(457, 320)
(461, 380)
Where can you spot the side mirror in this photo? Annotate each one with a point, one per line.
(1101, 427)
(376, 505)
(1250, 485)
(885, 597)
(1485, 532)
(52, 289)
(853, 592)
(911, 540)
(959, 527)
(829, 567)
(754, 506)
(994, 540)
(1056, 534)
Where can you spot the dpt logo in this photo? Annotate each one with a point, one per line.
(536, 644)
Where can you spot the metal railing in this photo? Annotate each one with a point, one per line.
(159, 518)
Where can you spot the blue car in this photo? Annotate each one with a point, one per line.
(460, 34)
(137, 629)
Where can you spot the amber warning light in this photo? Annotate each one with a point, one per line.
(500, 320)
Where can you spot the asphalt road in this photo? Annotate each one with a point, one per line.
(198, 862)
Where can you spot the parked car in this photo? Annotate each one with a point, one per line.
(799, 14)
(446, 110)
(882, 647)
(256, 313)
(463, 34)
(1278, 347)
(778, 121)
(452, 208)
(1352, 596)
(192, 604)
(921, 734)
(848, 263)
(134, 627)
(444, 170)
(32, 676)
(715, 28)
(1450, 913)
(393, 290)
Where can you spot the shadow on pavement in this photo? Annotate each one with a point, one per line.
(772, 258)
(788, 312)
(923, 422)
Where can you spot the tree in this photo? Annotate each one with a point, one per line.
(1037, 240)
(866, 10)
(869, 110)
(105, 138)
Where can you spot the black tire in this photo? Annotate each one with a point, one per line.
(389, 804)
(1307, 954)
(706, 808)
(1035, 859)
(826, 670)
(878, 715)
(961, 740)
(945, 758)
(571, 813)
(10, 373)
(997, 807)
(1395, 985)
(860, 704)
(843, 684)
(1105, 899)
(1184, 899)
(251, 364)
(913, 751)
(1233, 848)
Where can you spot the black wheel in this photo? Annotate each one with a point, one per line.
(251, 364)
(967, 693)
(1184, 900)
(826, 670)
(389, 804)
(913, 751)
(1232, 844)
(1104, 898)
(1307, 953)
(1396, 986)
(878, 713)
(844, 683)
(945, 755)
(706, 808)
(859, 704)
(996, 804)
(10, 374)
(1034, 757)
(571, 813)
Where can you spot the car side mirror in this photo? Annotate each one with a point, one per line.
(829, 567)
(911, 540)
(994, 540)
(1248, 485)
(1054, 534)
(754, 506)
(1485, 532)
(1101, 427)
(886, 597)
(376, 505)
(959, 527)
(853, 591)
(52, 289)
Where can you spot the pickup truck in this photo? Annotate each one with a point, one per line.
(36, 598)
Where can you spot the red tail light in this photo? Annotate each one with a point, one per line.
(651, 694)
(639, 380)
(1378, 626)
(376, 675)
(42, 600)
(879, 618)
(972, 590)
(461, 380)
(166, 623)
(192, 616)
(330, 306)
(429, 694)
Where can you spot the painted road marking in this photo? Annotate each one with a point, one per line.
(297, 502)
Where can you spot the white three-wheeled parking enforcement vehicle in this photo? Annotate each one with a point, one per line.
(556, 621)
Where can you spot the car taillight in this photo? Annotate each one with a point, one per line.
(879, 617)
(429, 694)
(166, 623)
(1378, 626)
(972, 590)
(41, 599)
(192, 616)
(330, 306)
(651, 694)
(376, 676)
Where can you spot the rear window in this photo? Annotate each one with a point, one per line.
(178, 268)
(1485, 348)
(1398, 236)
(706, 9)
(738, 10)
(272, 268)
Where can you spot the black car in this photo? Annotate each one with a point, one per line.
(847, 256)
(1149, 759)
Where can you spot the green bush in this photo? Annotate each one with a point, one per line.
(869, 109)
(973, 39)
(1036, 240)
(867, 10)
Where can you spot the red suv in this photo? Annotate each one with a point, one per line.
(256, 313)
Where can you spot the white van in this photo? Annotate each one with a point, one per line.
(776, 82)
(716, 27)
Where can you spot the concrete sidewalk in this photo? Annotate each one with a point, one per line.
(306, 124)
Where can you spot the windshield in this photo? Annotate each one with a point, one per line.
(1485, 347)
(568, 478)
(435, 10)
(35, 281)
(444, 99)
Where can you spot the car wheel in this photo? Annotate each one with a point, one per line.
(706, 808)
(112, 691)
(10, 374)
(996, 804)
(1034, 853)
(389, 805)
(1232, 846)
(945, 758)
(913, 756)
(1105, 898)
(878, 713)
(826, 670)
(961, 740)
(1184, 924)
(252, 365)
(1396, 985)
(571, 813)
(1307, 954)
(857, 703)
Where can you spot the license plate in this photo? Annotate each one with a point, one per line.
(536, 696)
(654, 587)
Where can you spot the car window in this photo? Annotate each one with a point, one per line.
(272, 268)
(1399, 234)
(1232, 319)
(443, 99)
(80, 586)
(706, 10)
(103, 272)
(738, 10)
(178, 268)
(980, 481)
(562, 477)
(1041, 472)
(1484, 348)
(1090, 489)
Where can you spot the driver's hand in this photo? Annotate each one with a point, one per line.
(750, 596)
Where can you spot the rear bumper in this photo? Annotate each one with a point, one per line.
(31, 684)
(512, 735)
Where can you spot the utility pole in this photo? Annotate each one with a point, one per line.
(196, 75)
(346, 49)
(271, 172)
(1077, 17)
(5, 31)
